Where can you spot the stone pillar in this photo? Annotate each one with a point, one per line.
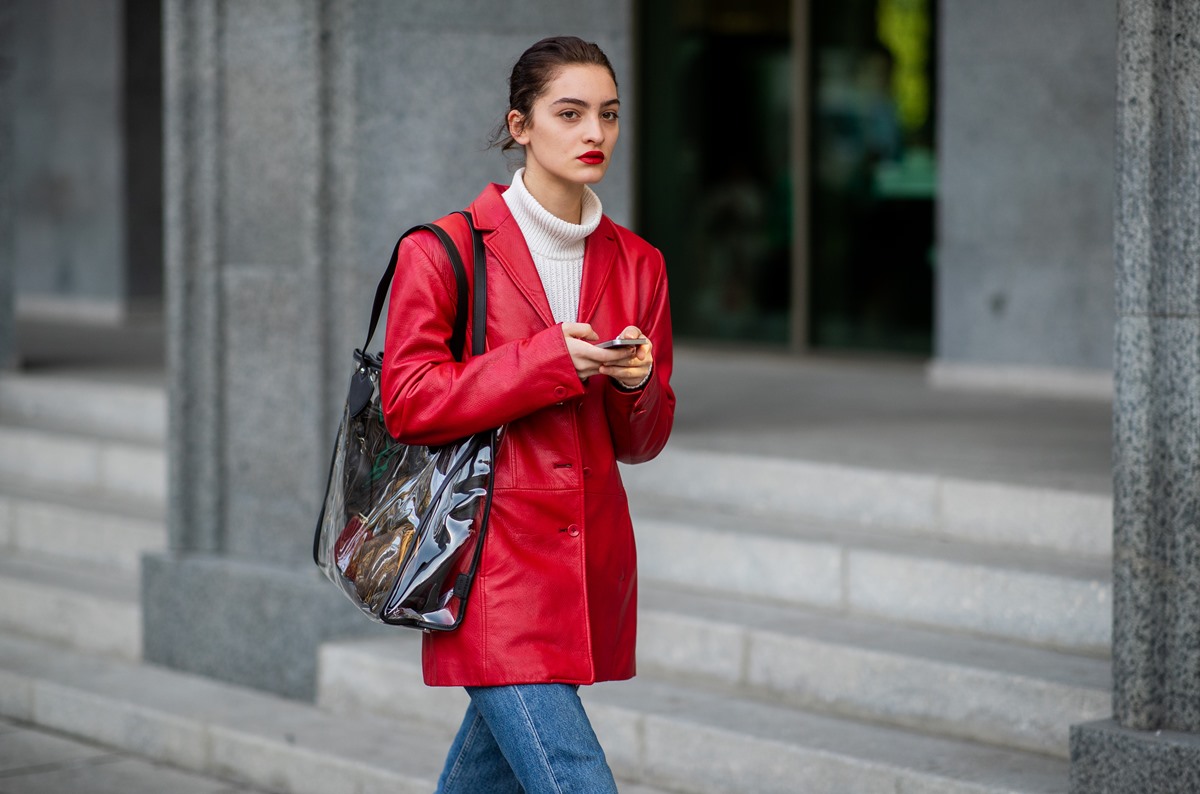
(8, 263)
(251, 209)
(1152, 743)
(300, 137)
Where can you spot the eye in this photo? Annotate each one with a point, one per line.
(569, 115)
(610, 115)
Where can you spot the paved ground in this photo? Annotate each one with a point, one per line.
(41, 762)
(134, 352)
(883, 414)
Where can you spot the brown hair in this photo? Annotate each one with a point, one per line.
(534, 70)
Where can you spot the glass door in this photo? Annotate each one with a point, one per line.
(787, 168)
(714, 190)
(872, 175)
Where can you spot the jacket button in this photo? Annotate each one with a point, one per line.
(560, 391)
(587, 471)
(573, 530)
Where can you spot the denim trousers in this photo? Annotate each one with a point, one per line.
(526, 739)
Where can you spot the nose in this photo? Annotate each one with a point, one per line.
(594, 130)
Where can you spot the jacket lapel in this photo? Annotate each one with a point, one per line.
(598, 258)
(505, 242)
(508, 245)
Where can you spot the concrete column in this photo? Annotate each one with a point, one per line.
(250, 209)
(1153, 741)
(302, 136)
(8, 264)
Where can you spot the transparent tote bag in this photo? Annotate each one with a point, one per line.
(402, 526)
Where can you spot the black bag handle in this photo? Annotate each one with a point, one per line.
(479, 327)
(458, 337)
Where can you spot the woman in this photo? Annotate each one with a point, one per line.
(554, 604)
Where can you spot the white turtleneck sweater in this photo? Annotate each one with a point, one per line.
(557, 249)
(556, 245)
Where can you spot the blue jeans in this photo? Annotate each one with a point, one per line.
(526, 739)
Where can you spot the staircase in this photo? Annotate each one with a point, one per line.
(816, 628)
(82, 490)
(82, 497)
(804, 626)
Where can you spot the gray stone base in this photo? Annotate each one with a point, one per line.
(1109, 759)
(245, 623)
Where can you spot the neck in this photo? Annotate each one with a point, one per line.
(562, 200)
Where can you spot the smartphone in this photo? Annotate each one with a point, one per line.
(624, 342)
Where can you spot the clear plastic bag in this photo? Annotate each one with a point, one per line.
(402, 526)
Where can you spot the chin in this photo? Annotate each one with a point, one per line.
(593, 175)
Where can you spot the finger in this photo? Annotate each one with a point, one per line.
(635, 365)
(633, 332)
(611, 357)
(610, 353)
(579, 331)
(589, 352)
(624, 373)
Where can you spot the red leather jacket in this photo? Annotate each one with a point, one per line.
(555, 599)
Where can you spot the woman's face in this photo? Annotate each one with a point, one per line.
(574, 126)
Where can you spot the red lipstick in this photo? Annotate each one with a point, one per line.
(592, 158)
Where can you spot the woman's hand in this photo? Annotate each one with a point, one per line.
(591, 360)
(633, 371)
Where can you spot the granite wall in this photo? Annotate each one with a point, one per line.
(302, 136)
(1025, 153)
(1153, 741)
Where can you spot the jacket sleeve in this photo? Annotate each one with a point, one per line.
(427, 396)
(641, 420)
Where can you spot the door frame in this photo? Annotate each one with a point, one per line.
(801, 156)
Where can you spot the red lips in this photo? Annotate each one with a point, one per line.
(592, 158)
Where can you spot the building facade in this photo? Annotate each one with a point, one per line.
(902, 175)
(889, 176)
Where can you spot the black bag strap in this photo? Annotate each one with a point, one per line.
(479, 327)
(458, 337)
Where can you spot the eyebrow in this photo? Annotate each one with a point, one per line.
(573, 101)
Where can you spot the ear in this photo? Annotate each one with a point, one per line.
(516, 127)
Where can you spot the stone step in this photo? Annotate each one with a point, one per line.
(38, 761)
(92, 406)
(82, 606)
(696, 739)
(948, 585)
(993, 513)
(83, 465)
(106, 532)
(952, 685)
(219, 729)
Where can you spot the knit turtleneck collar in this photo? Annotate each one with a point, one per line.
(545, 233)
